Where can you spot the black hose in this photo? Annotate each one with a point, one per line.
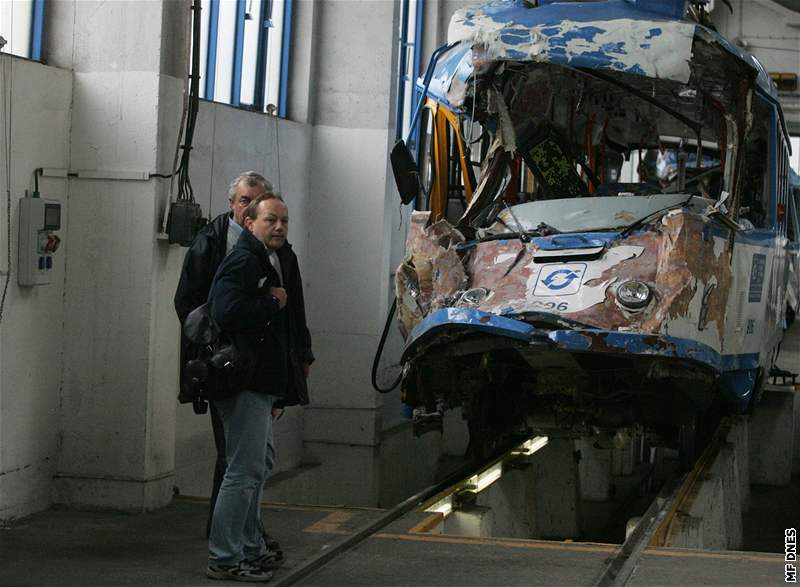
(185, 190)
(379, 352)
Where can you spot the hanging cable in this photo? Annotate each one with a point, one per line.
(379, 352)
(185, 215)
(7, 70)
(278, 150)
(185, 190)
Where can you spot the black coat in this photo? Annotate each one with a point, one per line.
(273, 343)
(199, 267)
(298, 335)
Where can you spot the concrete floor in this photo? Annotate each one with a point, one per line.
(167, 547)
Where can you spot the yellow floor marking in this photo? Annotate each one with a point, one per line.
(311, 507)
(298, 508)
(726, 555)
(510, 542)
(277, 505)
(330, 524)
(427, 524)
(580, 547)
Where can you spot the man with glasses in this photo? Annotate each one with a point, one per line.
(209, 248)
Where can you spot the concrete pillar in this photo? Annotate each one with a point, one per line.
(686, 532)
(702, 524)
(739, 439)
(350, 233)
(556, 490)
(595, 470)
(771, 437)
(511, 500)
(710, 516)
(726, 468)
(120, 376)
(472, 520)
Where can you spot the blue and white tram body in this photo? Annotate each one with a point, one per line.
(621, 255)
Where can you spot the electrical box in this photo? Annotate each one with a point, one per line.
(38, 221)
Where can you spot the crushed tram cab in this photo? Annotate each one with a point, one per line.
(600, 234)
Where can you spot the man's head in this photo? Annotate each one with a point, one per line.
(267, 217)
(244, 189)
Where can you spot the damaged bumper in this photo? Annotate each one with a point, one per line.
(737, 374)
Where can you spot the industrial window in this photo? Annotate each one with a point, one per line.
(244, 53)
(410, 52)
(21, 25)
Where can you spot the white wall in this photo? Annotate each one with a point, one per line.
(771, 33)
(116, 421)
(31, 331)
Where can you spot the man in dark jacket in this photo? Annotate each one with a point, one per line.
(256, 299)
(202, 260)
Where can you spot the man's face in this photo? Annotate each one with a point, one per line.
(241, 199)
(272, 224)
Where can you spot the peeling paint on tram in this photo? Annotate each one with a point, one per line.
(561, 290)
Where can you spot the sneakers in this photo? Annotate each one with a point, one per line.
(271, 543)
(268, 561)
(244, 571)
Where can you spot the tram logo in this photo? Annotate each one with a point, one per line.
(561, 279)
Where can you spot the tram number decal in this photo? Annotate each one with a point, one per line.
(757, 271)
(560, 306)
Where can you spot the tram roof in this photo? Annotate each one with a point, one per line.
(645, 38)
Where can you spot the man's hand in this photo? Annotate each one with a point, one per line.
(277, 413)
(280, 294)
(306, 369)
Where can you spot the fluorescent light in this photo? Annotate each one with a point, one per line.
(531, 445)
(443, 506)
(485, 478)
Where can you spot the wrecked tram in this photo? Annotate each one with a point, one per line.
(599, 238)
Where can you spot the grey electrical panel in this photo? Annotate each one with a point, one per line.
(38, 221)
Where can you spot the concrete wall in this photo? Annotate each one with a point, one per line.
(31, 331)
(117, 408)
(348, 244)
(771, 32)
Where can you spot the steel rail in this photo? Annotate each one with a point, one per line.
(459, 479)
(654, 526)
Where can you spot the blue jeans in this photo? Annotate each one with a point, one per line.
(249, 451)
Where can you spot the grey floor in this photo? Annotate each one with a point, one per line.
(167, 547)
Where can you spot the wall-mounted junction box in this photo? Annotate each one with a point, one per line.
(38, 219)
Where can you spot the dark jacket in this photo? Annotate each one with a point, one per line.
(199, 267)
(272, 343)
(299, 337)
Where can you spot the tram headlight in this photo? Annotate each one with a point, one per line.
(473, 297)
(634, 294)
